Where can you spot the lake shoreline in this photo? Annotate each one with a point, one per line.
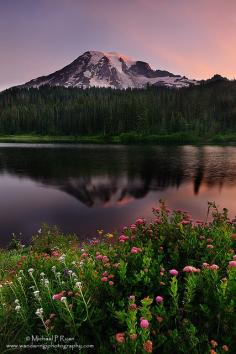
(124, 138)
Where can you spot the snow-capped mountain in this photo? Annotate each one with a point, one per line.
(109, 69)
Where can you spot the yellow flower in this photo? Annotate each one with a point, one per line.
(109, 235)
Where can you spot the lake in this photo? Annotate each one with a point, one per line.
(82, 188)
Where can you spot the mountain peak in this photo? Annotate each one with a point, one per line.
(109, 69)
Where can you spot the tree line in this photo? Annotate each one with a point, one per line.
(203, 110)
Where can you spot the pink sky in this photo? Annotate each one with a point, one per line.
(195, 38)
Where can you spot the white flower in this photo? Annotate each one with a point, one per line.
(21, 271)
(82, 250)
(73, 275)
(78, 284)
(39, 312)
(42, 274)
(73, 263)
(19, 278)
(53, 269)
(36, 293)
(17, 308)
(30, 270)
(62, 258)
(63, 299)
(46, 282)
(58, 274)
(17, 301)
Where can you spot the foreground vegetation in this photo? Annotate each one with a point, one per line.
(163, 287)
(153, 114)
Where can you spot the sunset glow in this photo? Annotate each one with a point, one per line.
(187, 37)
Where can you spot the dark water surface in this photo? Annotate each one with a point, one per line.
(83, 188)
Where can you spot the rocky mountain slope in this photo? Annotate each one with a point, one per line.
(109, 69)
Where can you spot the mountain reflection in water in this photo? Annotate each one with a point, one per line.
(107, 185)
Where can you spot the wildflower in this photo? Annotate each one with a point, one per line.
(36, 294)
(99, 256)
(63, 299)
(133, 336)
(111, 283)
(120, 337)
(232, 264)
(140, 221)
(123, 238)
(17, 301)
(214, 267)
(144, 323)
(173, 272)
(159, 299)
(135, 250)
(214, 344)
(147, 346)
(53, 269)
(133, 306)
(104, 279)
(57, 296)
(132, 298)
(210, 246)
(205, 265)
(78, 284)
(17, 308)
(62, 258)
(55, 253)
(30, 271)
(42, 274)
(191, 269)
(234, 257)
(84, 254)
(109, 235)
(105, 259)
(39, 312)
(46, 282)
(225, 348)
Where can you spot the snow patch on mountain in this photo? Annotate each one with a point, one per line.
(110, 69)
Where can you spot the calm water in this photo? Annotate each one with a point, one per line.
(85, 187)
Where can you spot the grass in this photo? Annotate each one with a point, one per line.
(164, 287)
(123, 138)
